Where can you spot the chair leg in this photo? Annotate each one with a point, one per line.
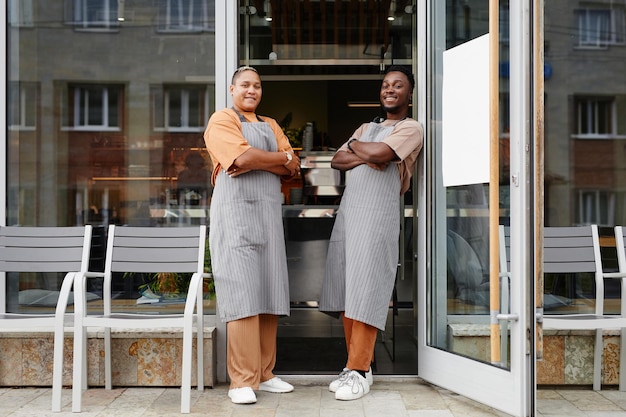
(622, 360)
(597, 361)
(84, 367)
(200, 352)
(199, 319)
(78, 372)
(185, 394)
(57, 370)
(108, 383)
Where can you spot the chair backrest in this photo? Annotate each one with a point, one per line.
(620, 243)
(44, 249)
(155, 249)
(571, 249)
(505, 250)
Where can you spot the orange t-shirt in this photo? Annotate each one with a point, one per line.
(225, 142)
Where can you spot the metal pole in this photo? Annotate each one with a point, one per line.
(494, 180)
(538, 74)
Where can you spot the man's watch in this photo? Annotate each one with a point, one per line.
(289, 158)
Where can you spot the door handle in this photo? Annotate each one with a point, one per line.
(509, 317)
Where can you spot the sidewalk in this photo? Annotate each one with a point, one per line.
(411, 397)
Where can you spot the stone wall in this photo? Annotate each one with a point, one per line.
(567, 354)
(138, 358)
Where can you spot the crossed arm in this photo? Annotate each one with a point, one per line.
(376, 155)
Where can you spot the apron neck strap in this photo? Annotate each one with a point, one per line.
(243, 119)
(380, 119)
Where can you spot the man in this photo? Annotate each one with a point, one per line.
(363, 250)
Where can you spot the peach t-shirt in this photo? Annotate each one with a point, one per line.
(406, 140)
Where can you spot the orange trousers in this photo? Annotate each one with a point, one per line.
(360, 342)
(251, 351)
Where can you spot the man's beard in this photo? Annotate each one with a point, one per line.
(391, 110)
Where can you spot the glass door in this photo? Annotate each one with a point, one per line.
(475, 319)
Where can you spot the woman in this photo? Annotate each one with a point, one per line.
(249, 153)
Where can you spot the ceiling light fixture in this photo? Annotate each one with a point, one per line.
(268, 11)
(120, 10)
(363, 104)
(392, 10)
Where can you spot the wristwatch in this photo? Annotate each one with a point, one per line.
(289, 158)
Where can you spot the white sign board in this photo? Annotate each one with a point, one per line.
(465, 113)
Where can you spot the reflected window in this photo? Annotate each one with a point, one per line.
(600, 27)
(92, 14)
(22, 106)
(596, 207)
(180, 108)
(93, 107)
(185, 16)
(594, 116)
(20, 12)
(505, 115)
(503, 21)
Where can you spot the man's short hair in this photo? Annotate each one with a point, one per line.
(405, 71)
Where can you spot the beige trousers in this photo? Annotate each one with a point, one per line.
(251, 352)
(360, 342)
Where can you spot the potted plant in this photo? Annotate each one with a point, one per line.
(173, 286)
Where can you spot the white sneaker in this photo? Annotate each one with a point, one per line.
(344, 374)
(353, 387)
(275, 385)
(334, 385)
(243, 395)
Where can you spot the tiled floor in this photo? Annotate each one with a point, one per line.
(390, 397)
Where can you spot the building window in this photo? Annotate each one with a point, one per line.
(596, 207)
(93, 107)
(504, 23)
(92, 14)
(22, 111)
(180, 108)
(20, 12)
(600, 27)
(186, 16)
(505, 115)
(594, 117)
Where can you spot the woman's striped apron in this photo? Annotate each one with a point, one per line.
(363, 251)
(246, 238)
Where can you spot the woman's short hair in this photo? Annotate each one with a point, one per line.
(240, 70)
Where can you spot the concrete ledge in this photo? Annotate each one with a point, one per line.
(140, 358)
(567, 354)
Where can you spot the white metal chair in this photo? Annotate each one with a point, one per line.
(576, 250)
(145, 250)
(41, 250)
(504, 254)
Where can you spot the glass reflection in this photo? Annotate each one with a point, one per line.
(107, 103)
(460, 284)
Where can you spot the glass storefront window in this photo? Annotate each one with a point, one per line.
(585, 134)
(107, 105)
(460, 287)
(327, 30)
